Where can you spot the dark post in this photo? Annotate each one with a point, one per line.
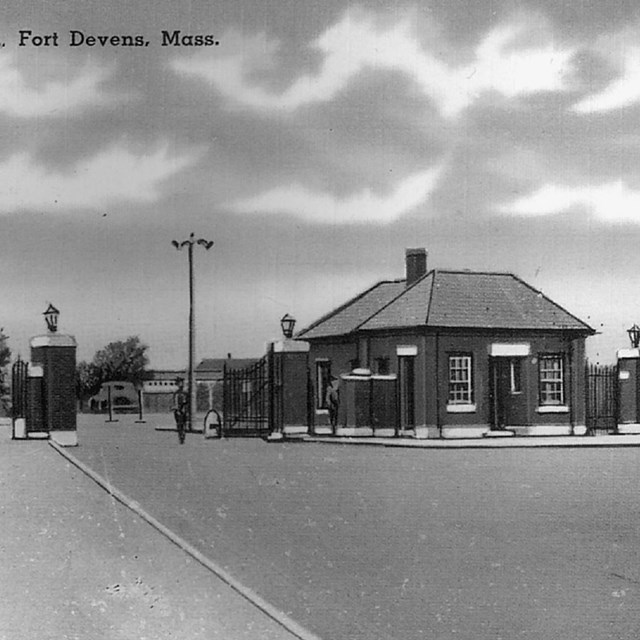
(207, 244)
(110, 406)
(140, 419)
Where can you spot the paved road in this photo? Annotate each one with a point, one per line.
(358, 542)
(77, 565)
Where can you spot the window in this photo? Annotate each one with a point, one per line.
(551, 375)
(515, 375)
(460, 379)
(382, 366)
(323, 378)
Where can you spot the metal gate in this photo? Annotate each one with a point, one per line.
(601, 398)
(252, 398)
(19, 373)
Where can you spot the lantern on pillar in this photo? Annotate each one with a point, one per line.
(51, 318)
(634, 336)
(287, 323)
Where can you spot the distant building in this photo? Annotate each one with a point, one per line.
(124, 397)
(158, 390)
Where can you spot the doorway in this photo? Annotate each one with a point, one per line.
(406, 368)
(509, 398)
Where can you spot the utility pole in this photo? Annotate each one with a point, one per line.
(207, 244)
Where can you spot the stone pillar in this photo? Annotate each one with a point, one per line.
(628, 391)
(290, 378)
(56, 354)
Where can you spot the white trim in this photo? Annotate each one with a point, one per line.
(628, 353)
(19, 428)
(629, 428)
(294, 430)
(53, 340)
(504, 349)
(35, 371)
(407, 350)
(553, 408)
(290, 346)
(464, 432)
(461, 408)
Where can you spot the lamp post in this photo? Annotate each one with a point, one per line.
(207, 244)
(51, 318)
(634, 336)
(287, 323)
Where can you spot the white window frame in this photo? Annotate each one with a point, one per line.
(460, 387)
(551, 386)
(322, 384)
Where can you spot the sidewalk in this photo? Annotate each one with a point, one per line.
(77, 564)
(515, 442)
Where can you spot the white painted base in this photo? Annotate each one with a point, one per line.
(629, 428)
(499, 433)
(580, 430)
(19, 429)
(543, 430)
(291, 430)
(384, 433)
(323, 430)
(65, 438)
(464, 432)
(354, 431)
(275, 436)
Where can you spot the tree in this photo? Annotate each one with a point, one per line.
(5, 359)
(88, 381)
(123, 360)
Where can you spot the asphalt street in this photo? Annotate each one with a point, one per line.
(77, 565)
(377, 543)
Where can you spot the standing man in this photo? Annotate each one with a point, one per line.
(180, 408)
(333, 401)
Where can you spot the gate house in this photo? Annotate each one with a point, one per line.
(474, 353)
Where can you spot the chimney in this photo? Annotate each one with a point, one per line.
(416, 261)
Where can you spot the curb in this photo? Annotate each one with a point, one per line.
(272, 612)
(456, 445)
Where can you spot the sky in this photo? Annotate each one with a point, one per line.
(312, 142)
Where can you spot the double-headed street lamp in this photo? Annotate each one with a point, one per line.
(207, 244)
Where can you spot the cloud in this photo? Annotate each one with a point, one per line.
(363, 207)
(356, 43)
(610, 202)
(55, 97)
(622, 92)
(113, 175)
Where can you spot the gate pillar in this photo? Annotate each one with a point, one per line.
(56, 355)
(629, 391)
(290, 369)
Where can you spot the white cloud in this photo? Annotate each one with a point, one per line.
(610, 202)
(622, 92)
(56, 97)
(363, 207)
(113, 175)
(356, 43)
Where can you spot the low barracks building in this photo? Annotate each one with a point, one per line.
(473, 353)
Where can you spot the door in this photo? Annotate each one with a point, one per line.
(508, 390)
(406, 368)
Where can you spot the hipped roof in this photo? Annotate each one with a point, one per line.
(448, 299)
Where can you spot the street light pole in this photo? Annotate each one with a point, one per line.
(207, 244)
